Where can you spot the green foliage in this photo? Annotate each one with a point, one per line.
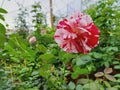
(79, 87)
(44, 66)
(83, 60)
(21, 21)
(2, 27)
(92, 85)
(39, 20)
(71, 86)
(105, 15)
(3, 11)
(22, 25)
(2, 35)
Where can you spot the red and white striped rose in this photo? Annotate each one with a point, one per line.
(77, 34)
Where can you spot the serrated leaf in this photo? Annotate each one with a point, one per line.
(71, 85)
(108, 70)
(110, 77)
(99, 74)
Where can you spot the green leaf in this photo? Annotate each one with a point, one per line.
(118, 80)
(93, 86)
(97, 55)
(107, 84)
(112, 49)
(3, 10)
(14, 59)
(2, 17)
(76, 72)
(84, 71)
(2, 35)
(79, 87)
(75, 75)
(101, 19)
(83, 81)
(71, 86)
(2, 29)
(66, 57)
(110, 2)
(48, 58)
(117, 75)
(112, 88)
(45, 71)
(107, 64)
(79, 70)
(116, 62)
(10, 49)
(117, 67)
(117, 86)
(41, 48)
(33, 88)
(83, 60)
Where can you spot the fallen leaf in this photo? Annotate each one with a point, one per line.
(99, 74)
(110, 77)
(108, 70)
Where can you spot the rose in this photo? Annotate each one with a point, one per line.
(77, 34)
(32, 39)
(43, 32)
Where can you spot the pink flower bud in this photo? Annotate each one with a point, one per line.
(43, 32)
(32, 39)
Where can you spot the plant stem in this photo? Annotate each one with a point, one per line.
(11, 74)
